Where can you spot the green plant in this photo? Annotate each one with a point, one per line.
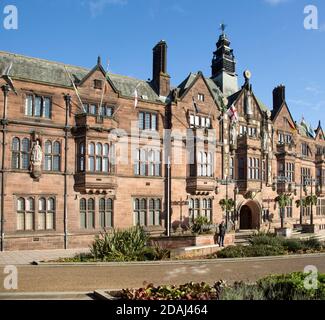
(262, 238)
(189, 291)
(242, 291)
(157, 253)
(227, 204)
(120, 245)
(291, 287)
(311, 200)
(292, 245)
(201, 225)
(312, 244)
(301, 203)
(283, 200)
(250, 251)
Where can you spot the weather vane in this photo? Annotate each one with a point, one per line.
(223, 27)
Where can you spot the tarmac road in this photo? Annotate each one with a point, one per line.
(87, 278)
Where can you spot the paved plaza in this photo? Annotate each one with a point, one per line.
(27, 257)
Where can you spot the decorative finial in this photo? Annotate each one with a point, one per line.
(99, 60)
(223, 27)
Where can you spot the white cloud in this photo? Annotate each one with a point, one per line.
(275, 2)
(314, 89)
(98, 6)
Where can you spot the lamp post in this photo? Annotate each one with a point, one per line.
(276, 180)
(311, 182)
(227, 182)
(236, 192)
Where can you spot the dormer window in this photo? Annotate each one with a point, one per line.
(200, 122)
(98, 84)
(200, 97)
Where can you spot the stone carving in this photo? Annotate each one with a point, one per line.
(233, 134)
(36, 160)
(265, 141)
(37, 154)
(248, 104)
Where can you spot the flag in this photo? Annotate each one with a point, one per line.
(308, 128)
(135, 98)
(233, 114)
(292, 126)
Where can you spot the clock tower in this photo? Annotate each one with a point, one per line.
(224, 65)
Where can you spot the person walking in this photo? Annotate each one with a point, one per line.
(222, 234)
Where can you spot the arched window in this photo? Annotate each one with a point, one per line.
(87, 213)
(91, 214)
(52, 155)
(81, 156)
(154, 212)
(106, 213)
(48, 156)
(83, 213)
(99, 155)
(25, 214)
(56, 156)
(25, 149)
(106, 158)
(91, 157)
(15, 150)
(21, 214)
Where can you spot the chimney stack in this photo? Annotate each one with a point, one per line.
(279, 97)
(160, 78)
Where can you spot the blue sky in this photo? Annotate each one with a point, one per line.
(267, 35)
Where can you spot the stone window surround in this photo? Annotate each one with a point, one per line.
(35, 211)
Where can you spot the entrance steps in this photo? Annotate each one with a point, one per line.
(298, 234)
(242, 237)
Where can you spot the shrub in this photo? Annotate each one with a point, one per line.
(269, 239)
(250, 251)
(157, 253)
(312, 244)
(120, 245)
(232, 252)
(291, 287)
(292, 245)
(189, 291)
(201, 225)
(242, 291)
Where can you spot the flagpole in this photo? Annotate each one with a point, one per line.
(75, 88)
(104, 87)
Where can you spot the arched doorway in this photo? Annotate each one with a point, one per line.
(250, 216)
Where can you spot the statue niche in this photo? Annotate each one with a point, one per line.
(36, 160)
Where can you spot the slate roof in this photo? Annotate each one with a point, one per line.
(211, 84)
(49, 72)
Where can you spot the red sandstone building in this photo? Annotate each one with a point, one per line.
(73, 164)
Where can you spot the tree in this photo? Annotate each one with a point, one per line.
(283, 201)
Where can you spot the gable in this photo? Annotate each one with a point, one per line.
(199, 86)
(283, 119)
(239, 102)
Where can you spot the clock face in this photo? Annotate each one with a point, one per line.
(247, 74)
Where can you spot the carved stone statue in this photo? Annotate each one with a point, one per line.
(36, 154)
(233, 134)
(248, 104)
(265, 141)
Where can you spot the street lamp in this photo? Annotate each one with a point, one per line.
(236, 192)
(276, 180)
(311, 181)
